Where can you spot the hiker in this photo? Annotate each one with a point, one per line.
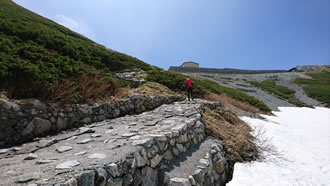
(189, 87)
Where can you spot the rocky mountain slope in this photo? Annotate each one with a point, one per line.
(286, 79)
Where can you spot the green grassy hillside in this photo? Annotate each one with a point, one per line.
(37, 53)
(318, 86)
(44, 60)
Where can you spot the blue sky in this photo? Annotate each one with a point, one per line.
(245, 34)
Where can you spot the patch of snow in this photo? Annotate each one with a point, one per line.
(302, 136)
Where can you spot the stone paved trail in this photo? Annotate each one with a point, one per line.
(123, 151)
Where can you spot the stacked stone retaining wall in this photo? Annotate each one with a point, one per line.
(214, 169)
(156, 151)
(22, 121)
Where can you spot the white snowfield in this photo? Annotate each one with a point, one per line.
(302, 135)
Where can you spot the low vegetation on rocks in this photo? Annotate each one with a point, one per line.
(318, 86)
(278, 90)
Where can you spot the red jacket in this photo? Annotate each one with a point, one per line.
(189, 84)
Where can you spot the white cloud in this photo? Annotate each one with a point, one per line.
(74, 25)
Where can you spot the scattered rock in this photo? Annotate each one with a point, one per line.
(192, 180)
(68, 164)
(204, 162)
(83, 130)
(80, 153)
(16, 149)
(109, 131)
(31, 156)
(115, 181)
(61, 123)
(179, 147)
(44, 161)
(86, 178)
(27, 178)
(128, 179)
(128, 134)
(97, 156)
(135, 137)
(63, 149)
(155, 160)
(3, 151)
(96, 135)
(46, 143)
(199, 176)
(113, 170)
(37, 126)
(140, 161)
(175, 151)
(71, 182)
(168, 155)
(72, 138)
(179, 182)
(149, 176)
(132, 124)
(101, 179)
(147, 142)
(84, 141)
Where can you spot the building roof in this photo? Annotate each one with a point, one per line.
(190, 62)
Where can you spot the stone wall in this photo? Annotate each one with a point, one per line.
(214, 169)
(156, 152)
(23, 121)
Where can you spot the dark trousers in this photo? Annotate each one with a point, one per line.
(190, 93)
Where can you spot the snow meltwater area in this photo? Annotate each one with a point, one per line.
(302, 136)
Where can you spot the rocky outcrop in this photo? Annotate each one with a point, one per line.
(309, 68)
(23, 121)
(131, 76)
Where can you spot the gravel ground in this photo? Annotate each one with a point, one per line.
(238, 81)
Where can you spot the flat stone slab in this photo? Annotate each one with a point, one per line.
(84, 141)
(112, 141)
(63, 149)
(31, 156)
(3, 151)
(97, 156)
(67, 164)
